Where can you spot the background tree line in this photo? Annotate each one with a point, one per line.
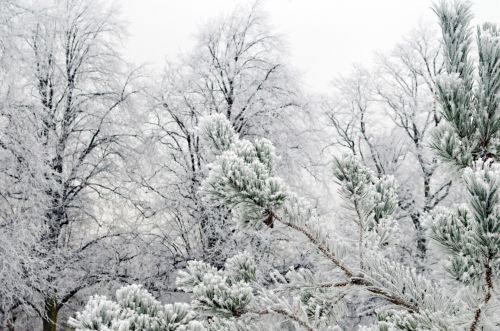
(104, 167)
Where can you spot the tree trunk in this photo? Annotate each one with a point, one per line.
(11, 323)
(50, 320)
(421, 243)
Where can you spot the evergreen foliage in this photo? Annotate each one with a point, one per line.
(469, 105)
(243, 178)
(468, 140)
(134, 309)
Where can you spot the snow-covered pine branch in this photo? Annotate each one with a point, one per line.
(469, 106)
(134, 309)
(373, 198)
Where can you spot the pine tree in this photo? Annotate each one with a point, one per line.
(237, 297)
(134, 309)
(468, 140)
(243, 178)
(471, 128)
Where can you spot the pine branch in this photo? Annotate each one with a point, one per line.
(352, 280)
(286, 314)
(324, 250)
(486, 299)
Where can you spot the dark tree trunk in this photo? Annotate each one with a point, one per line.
(421, 242)
(50, 320)
(11, 323)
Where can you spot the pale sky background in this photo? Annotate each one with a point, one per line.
(325, 37)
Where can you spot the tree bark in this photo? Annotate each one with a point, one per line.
(421, 243)
(487, 297)
(50, 320)
(11, 323)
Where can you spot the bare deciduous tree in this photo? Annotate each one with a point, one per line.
(72, 107)
(237, 69)
(401, 89)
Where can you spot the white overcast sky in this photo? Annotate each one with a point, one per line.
(324, 37)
